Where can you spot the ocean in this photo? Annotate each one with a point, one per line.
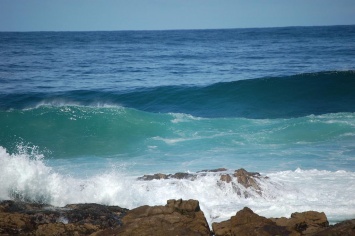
(83, 114)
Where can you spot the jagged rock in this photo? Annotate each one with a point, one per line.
(247, 179)
(60, 229)
(246, 222)
(244, 180)
(213, 170)
(41, 219)
(96, 214)
(15, 223)
(305, 223)
(226, 178)
(345, 228)
(177, 217)
(181, 175)
(155, 176)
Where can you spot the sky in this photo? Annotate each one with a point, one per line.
(92, 15)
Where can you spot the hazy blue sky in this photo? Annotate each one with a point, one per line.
(58, 15)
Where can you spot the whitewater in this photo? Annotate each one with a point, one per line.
(84, 114)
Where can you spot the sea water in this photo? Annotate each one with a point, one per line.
(83, 114)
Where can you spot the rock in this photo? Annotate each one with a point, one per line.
(246, 184)
(60, 229)
(155, 176)
(305, 223)
(345, 228)
(177, 217)
(181, 175)
(41, 219)
(246, 222)
(248, 179)
(95, 214)
(226, 178)
(213, 170)
(15, 223)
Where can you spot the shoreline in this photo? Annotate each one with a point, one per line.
(177, 217)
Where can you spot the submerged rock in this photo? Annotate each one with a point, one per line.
(213, 170)
(244, 183)
(177, 217)
(179, 175)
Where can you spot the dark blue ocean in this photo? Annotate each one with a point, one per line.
(83, 114)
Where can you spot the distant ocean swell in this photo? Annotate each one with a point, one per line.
(278, 97)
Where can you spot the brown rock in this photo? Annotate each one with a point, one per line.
(345, 228)
(41, 219)
(95, 214)
(181, 175)
(226, 178)
(248, 179)
(246, 222)
(60, 229)
(155, 176)
(178, 217)
(213, 170)
(305, 223)
(15, 223)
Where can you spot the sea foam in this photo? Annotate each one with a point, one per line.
(26, 176)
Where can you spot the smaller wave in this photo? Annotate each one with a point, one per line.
(25, 176)
(128, 133)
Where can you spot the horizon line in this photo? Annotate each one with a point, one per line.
(177, 29)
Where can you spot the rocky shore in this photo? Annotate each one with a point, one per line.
(177, 217)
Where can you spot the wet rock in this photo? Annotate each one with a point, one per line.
(95, 214)
(181, 175)
(246, 222)
(305, 223)
(177, 217)
(213, 170)
(19, 206)
(345, 228)
(15, 223)
(155, 176)
(41, 219)
(226, 178)
(248, 179)
(60, 229)
(244, 183)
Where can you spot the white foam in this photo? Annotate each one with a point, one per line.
(59, 102)
(181, 117)
(26, 176)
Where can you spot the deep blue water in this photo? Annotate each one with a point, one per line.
(90, 105)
